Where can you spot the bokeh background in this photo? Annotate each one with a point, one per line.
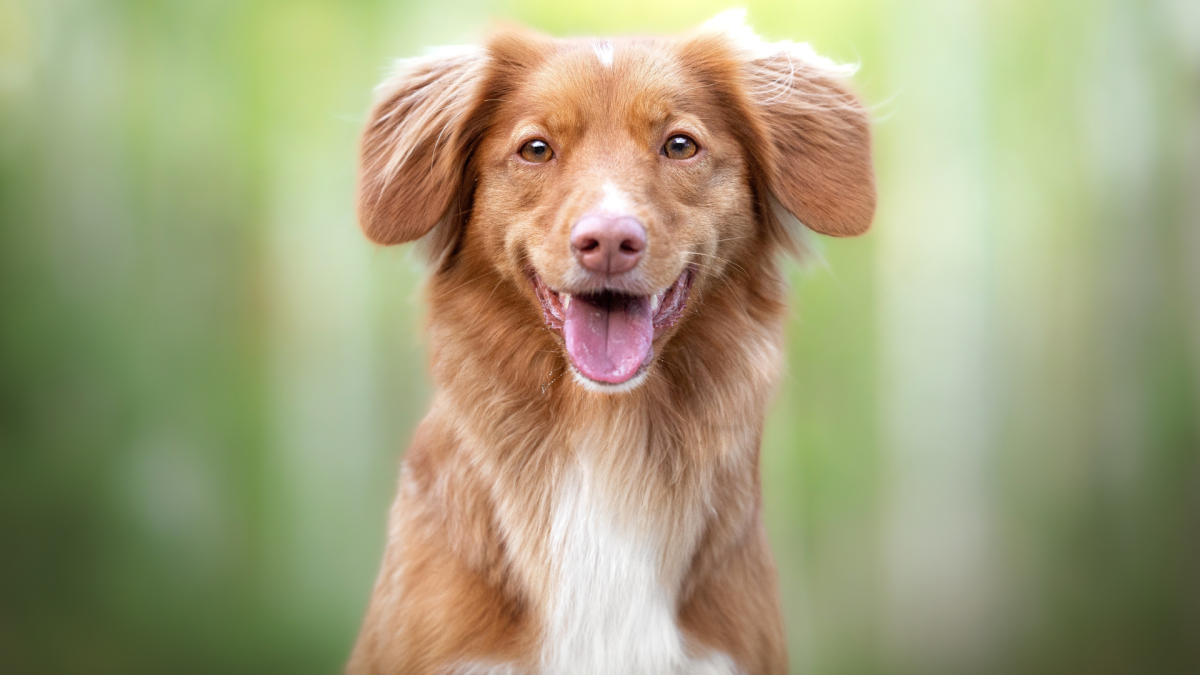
(985, 457)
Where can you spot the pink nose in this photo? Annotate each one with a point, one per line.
(608, 244)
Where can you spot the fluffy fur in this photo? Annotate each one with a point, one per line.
(546, 523)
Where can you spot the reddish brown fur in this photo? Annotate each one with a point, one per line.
(464, 578)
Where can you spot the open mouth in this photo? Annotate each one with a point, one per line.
(610, 335)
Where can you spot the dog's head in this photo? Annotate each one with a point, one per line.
(613, 180)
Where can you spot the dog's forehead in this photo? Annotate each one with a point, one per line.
(582, 82)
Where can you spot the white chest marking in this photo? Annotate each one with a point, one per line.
(609, 613)
(604, 52)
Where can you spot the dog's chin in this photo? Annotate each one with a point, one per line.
(597, 387)
(609, 335)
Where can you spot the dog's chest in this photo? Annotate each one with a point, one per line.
(611, 606)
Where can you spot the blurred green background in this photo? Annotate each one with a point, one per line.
(985, 457)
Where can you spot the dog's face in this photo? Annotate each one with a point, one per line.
(613, 181)
(609, 183)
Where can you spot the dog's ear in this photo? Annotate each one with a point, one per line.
(815, 132)
(820, 134)
(416, 143)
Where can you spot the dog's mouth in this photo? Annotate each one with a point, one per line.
(609, 334)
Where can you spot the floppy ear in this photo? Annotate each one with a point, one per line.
(821, 167)
(817, 134)
(416, 142)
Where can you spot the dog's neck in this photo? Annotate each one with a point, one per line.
(608, 506)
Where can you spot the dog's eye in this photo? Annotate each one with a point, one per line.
(536, 151)
(679, 147)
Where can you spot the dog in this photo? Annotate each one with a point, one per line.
(605, 221)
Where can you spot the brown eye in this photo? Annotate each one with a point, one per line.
(679, 147)
(536, 151)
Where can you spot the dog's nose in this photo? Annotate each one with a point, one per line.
(608, 244)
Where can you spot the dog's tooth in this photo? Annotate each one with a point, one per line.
(654, 300)
(566, 301)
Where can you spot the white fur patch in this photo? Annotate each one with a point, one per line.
(604, 52)
(732, 24)
(602, 388)
(610, 613)
(615, 200)
(431, 56)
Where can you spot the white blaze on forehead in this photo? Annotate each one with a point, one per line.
(615, 200)
(604, 52)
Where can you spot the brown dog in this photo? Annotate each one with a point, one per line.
(605, 219)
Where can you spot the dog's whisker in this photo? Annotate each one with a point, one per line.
(725, 260)
(546, 385)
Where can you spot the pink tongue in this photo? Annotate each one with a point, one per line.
(610, 340)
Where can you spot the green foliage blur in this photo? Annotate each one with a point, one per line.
(984, 458)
